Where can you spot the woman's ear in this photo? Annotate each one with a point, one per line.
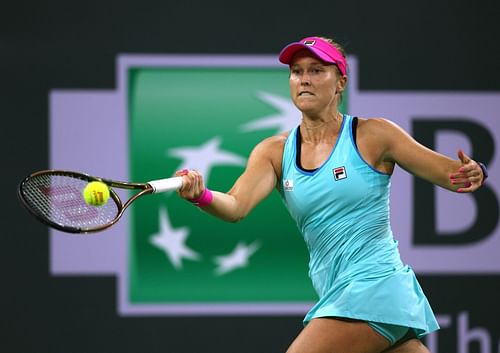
(341, 83)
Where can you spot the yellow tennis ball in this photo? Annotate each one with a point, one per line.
(96, 193)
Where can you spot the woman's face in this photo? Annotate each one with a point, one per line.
(314, 84)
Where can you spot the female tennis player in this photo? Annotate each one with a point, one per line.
(333, 173)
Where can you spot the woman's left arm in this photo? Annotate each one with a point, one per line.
(461, 175)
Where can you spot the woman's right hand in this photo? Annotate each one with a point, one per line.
(192, 184)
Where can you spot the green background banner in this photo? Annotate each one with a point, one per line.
(184, 109)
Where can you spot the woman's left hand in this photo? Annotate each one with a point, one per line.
(469, 177)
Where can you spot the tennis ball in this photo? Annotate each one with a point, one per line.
(96, 193)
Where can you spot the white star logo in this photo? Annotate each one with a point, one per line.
(238, 258)
(287, 118)
(206, 156)
(173, 241)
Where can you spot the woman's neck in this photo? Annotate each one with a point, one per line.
(321, 128)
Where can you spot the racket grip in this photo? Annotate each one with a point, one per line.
(167, 184)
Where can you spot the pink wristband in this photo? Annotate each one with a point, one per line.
(205, 198)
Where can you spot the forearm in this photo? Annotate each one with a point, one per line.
(245, 194)
(458, 175)
(256, 183)
(438, 170)
(462, 175)
(225, 207)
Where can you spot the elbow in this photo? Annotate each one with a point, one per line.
(238, 211)
(235, 218)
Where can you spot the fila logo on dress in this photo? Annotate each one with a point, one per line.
(339, 173)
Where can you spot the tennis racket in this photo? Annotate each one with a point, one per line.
(55, 198)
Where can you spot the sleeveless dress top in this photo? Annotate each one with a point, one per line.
(342, 211)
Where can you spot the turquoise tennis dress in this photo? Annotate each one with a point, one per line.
(342, 211)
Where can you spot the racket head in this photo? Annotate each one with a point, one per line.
(55, 198)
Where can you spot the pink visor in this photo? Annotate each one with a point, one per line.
(319, 47)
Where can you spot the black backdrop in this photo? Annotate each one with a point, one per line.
(418, 45)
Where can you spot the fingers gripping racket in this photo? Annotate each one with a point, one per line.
(55, 198)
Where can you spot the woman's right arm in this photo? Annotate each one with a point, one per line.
(256, 182)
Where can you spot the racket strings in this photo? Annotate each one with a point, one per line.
(58, 199)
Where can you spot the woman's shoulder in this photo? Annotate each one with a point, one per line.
(374, 122)
(272, 147)
(378, 126)
(380, 133)
(274, 141)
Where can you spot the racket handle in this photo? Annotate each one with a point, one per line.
(167, 184)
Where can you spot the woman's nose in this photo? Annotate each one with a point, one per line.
(305, 79)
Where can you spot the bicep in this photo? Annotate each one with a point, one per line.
(257, 181)
(418, 159)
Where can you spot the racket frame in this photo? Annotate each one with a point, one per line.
(145, 188)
